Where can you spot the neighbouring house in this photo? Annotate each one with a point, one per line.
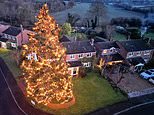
(108, 52)
(3, 27)
(14, 37)
(136, 52)
(79, 54)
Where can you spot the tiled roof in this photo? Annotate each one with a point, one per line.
(106, 45)
(135, 45)
(3, 27)
(113, 57)
(75, 63)
(14, 31)
(78, 47)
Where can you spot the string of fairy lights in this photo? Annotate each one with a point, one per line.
(44, 63)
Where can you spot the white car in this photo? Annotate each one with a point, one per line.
(151, 80)
(147, 74)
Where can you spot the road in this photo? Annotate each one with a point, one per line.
(147, 109)
(7, 104)
(12, 100)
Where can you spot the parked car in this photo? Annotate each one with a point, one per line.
(151, 80)
(147, 74)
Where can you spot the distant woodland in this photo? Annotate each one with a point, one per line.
(17, 12)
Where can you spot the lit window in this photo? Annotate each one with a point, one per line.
(72, 56)
(104, 51)
(80, 55)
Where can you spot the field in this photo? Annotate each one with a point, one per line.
(82, 9)
(119, 37)
(150, 35)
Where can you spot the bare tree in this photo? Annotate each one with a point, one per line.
(109, 30)
(98, 9)
(72, 19)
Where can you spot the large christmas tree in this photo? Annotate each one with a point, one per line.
(44, 63)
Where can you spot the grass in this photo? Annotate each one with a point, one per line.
(10, 61)
(119, 37)
(150, 35)
(91, 93)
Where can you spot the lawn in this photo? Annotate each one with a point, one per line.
(9, 60)
(91, 93)
(150, 35)
(119, 37)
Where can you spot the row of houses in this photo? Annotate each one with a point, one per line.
(81, 54)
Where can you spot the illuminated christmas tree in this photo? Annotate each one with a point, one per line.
(44, 63)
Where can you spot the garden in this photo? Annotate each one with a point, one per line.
(91, 92)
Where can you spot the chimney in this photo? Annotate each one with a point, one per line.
(21, 27)
(92, 42)
(149, 40)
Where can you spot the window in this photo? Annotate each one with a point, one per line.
(138, 53)
(104, 51)
(72, 56)
(88, 64)
(5, 35)
(130, 54)
(12, 37)
(80, 55)
(89, 54)
(112, 50)
(147, 52)
(13, 45)
(74, 72)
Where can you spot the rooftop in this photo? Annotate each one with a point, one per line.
(75, 63)
(114, 57)
(106, 45)
(135, 45)
(14, 31)
(3, 39)
(3, 27)
(78, 47)
(137, 60)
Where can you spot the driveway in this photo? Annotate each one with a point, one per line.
(128, 82)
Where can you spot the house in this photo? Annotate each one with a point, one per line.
(136, 51)
(3, 27)
(109, 52)
(15, 37)
(79, 54)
